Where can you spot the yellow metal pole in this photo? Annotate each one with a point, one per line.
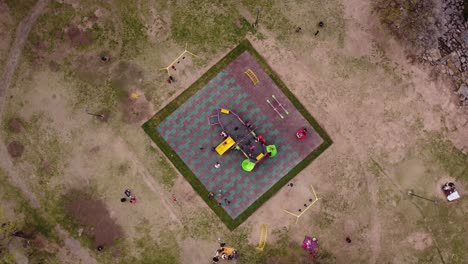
(290, 213)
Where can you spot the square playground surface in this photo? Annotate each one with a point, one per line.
(190, 136)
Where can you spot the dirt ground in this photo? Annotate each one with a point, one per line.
(93, 215)
(394, 126)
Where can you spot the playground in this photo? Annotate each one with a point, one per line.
(238, 135)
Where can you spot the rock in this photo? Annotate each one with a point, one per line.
(463, 91)
(434, 54)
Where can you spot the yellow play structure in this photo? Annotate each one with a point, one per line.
(263, 237)
(252, 76)
(225, 145)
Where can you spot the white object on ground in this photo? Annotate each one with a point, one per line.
(453, 196)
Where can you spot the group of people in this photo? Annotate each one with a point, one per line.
(211, 196)
(225, 253)
(129, 194)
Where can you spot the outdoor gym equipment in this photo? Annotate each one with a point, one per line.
(263, 237)
(310, 205)
(252, 76)
(278, 105)
(177, 59)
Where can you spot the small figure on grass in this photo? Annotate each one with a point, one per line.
(133, 200)
(128, 193)
(174, 68)
(168, 81)
(298, 29)
(100, 248)
(211, 195)
(172, 78)
(348, 239)
(105, 58)
(123, 200)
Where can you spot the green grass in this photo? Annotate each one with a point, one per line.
(271, 16)
(133, 31)
(150, 125)
(207, 25)
(20, 8)
(32, 218)
(49, 26)
(448, 157)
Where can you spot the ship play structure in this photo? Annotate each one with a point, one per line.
(240, 135)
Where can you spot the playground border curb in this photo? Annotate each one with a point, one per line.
(152, 123)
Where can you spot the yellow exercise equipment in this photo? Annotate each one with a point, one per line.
(225, 145)
(307, 208)
(252, 76)
(263, 237)
(224, 111)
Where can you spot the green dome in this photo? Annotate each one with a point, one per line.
(247, 165)
(272, 150)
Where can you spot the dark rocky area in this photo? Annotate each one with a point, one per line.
(436, 34)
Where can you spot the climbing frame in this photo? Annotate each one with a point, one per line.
(252, 76)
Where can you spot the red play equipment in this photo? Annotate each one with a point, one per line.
(301, 134)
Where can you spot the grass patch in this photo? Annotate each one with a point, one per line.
(133, 31)
(448, 157)
(168, 174)
(49, 26)
(271, 16)
(43, 150)
(207, 25)
(32, 219)
(108, 96)
(199, 224)
(150, 125)
(20, 9)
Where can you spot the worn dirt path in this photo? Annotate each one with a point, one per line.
(22, 32)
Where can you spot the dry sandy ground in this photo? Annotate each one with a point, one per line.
(372, 102)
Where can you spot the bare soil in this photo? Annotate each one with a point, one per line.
(136, 110)
(79, 37)
(95, 218)
(15, 149)
(15, 126)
